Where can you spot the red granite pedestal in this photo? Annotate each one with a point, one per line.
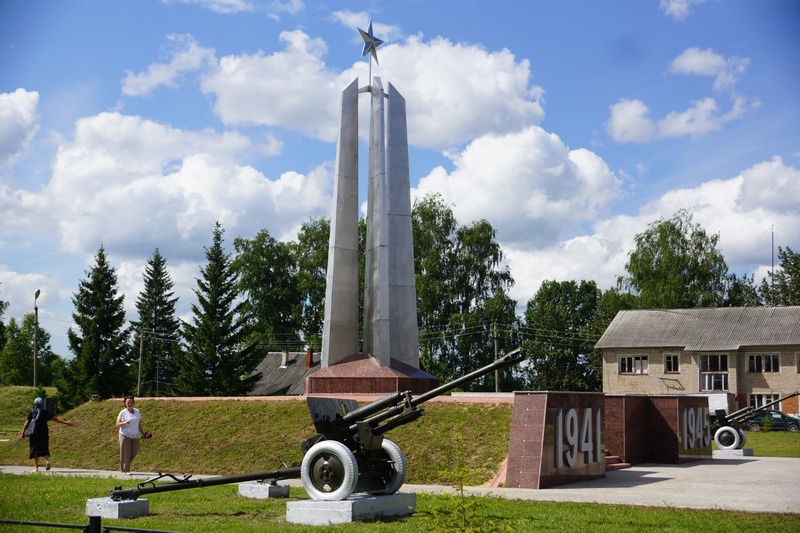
(556, 438)
(362, 374)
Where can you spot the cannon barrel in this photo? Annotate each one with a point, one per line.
(508, 359)
(402, 411)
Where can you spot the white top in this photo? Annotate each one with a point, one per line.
(130, 430)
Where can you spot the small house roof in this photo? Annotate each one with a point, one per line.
(703, 329)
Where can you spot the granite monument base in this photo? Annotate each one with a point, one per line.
(108, 508)
(356, 508)
(362, 374)
(263, 491)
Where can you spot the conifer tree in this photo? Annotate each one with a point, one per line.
(218, 359)
(157, 332)
(101, 362)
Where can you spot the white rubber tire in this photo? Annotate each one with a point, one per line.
(329, 471)
(399, 467)
(730, 435)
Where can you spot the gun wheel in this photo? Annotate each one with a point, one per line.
(329, 471)
(397, 466)
(727, 438)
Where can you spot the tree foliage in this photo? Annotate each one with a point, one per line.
(676, 265)
(16, 357)
(3, 307)
(101, 364)
(783, 286)
(157, 332)
(267, 273)
(462, 292)
(560, 337)
(219, 356)
(311, 257)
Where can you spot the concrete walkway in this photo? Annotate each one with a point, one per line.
(750, 484)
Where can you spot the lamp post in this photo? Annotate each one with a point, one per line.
(35, 334)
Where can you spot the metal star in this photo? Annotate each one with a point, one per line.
(370, 42)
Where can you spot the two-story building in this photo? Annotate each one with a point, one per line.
(752, 353)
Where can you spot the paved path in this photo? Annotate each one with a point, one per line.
(750, 484)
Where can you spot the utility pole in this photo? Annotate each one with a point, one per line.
(141, 350)
(35, 334)
(496, 371)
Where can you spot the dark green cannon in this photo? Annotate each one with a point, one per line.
(726, 427)
(349, 452)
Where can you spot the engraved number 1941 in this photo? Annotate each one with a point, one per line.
(578, 434)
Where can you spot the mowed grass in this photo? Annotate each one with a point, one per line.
(219, 510)
(241, 436)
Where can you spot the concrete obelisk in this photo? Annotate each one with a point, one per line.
(389, 357)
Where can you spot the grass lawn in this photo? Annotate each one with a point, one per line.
(235, 437)
(220, 509)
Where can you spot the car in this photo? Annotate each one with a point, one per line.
(772, 420)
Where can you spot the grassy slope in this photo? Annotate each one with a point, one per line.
(235, 437)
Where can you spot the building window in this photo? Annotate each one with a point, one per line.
(797, 357)
(671, 363)
(633, 364)
(714, 372)
(759, 400)
(760, 363)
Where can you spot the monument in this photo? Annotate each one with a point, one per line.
(388, 358)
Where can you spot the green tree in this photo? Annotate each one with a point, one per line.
(311, 257)
(218, 359)
(558, 323)
(741, 292)
(3, 307)
(16, 357)
(783, 286)
(676, 265)
(102, 363)
(157, 332)
(462, 289)
(267, 274)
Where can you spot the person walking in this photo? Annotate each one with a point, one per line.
(129, 422)
(39, 436)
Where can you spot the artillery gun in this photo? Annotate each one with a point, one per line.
(726, 428)
(349, 452)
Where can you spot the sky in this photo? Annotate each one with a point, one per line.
(570, 125)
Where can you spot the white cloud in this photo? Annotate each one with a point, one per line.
(630, 121)
(726, 71)
(493, 95)
(19, 122)
(185, 56)
(678, 9)
(218, 6)
(133, 184)
(530, 186)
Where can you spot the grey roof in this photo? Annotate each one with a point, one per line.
(704, 329)
(284, 380)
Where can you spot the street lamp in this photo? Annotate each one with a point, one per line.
(35, 334)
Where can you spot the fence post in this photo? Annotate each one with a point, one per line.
(94, 525)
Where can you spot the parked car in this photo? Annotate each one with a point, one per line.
(772, 420)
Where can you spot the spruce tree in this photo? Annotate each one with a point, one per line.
(101, 364)
(218, 359)
(156, 333)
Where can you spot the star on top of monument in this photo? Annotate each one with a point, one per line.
(371, 43)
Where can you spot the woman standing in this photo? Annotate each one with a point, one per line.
(129, 422)
(40, 438)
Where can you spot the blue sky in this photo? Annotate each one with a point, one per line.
(569, 124)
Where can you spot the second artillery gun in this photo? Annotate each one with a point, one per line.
(349, 452)
(726, 428)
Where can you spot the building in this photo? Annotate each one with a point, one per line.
(752, 353)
